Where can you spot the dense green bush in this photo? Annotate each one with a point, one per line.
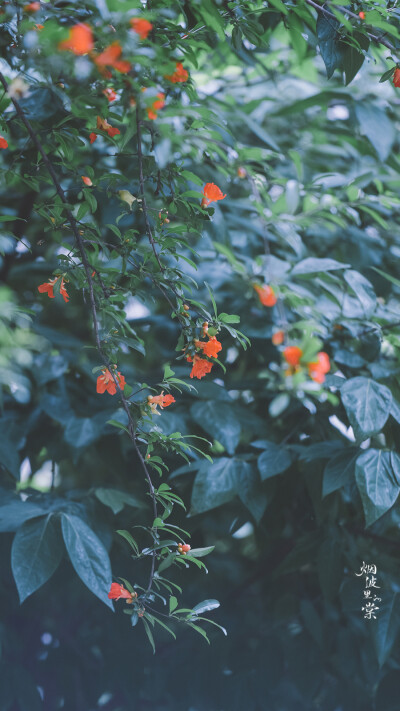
(285, 472)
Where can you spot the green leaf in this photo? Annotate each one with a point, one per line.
(386, 75)
(129, 539)
(378, 481)
(11, 440)
(367, 404)
(42, 104)
(250, 490)
(274, 460)
(188, 175)
(167, 562)
(353, 58)
(279, 404)
(363, 290)
(81, 431)
(205, 606)
(219, 421)
(376, 126)
(116, 500)
(332, 50)
(173, 603)
(14, 512)
(312, 265)
(88, 556)
(255, 127)
(389, 277)
(201, 552)
(340, 470)
(35, 555)
(215, 485)
(386, 627)
(229, 318)
(149, 635)
(212, 299)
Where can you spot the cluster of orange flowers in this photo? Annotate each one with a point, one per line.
(209, 348)
(179, 75)
(316, 369)
(157, 104)
(48, 288)
(3, 142)
(80, 41)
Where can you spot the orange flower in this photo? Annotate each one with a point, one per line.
(211, 193)
(141, 26)
(105, 382)
(292, 355)
(361, 15)
(180, 74)
(80, 39)
(396, 77)
(32, 7)
(38, 27)
(157, 104)
(103, 125)
(3, 142)
(92, 137)
(200, 367)
(319, 368)
(210, 348)
(86, 180)
(266, 294)
(110, 58)
(63, 291)
(118, 591)
(278, 337)
(48, 288)
(161, 400)
(110, 94)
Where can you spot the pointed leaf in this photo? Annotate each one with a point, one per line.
(88, 556)
(35, 555)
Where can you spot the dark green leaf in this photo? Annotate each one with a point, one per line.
(116, 499)
(386, 626)
(332, 50)
(219, 421)
(377, 477)
(339, 471)
(36, 553)
(274, 460)
(88, 556)
(367, 405)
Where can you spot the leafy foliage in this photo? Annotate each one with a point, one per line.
(284, 475)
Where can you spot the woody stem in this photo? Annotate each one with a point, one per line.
(88, 272)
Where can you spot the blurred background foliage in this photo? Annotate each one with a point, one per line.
(303, 485)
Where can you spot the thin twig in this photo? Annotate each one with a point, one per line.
(88, 272)
(373, 37)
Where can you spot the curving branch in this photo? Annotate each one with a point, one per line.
(88, 272)
(375, 38)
